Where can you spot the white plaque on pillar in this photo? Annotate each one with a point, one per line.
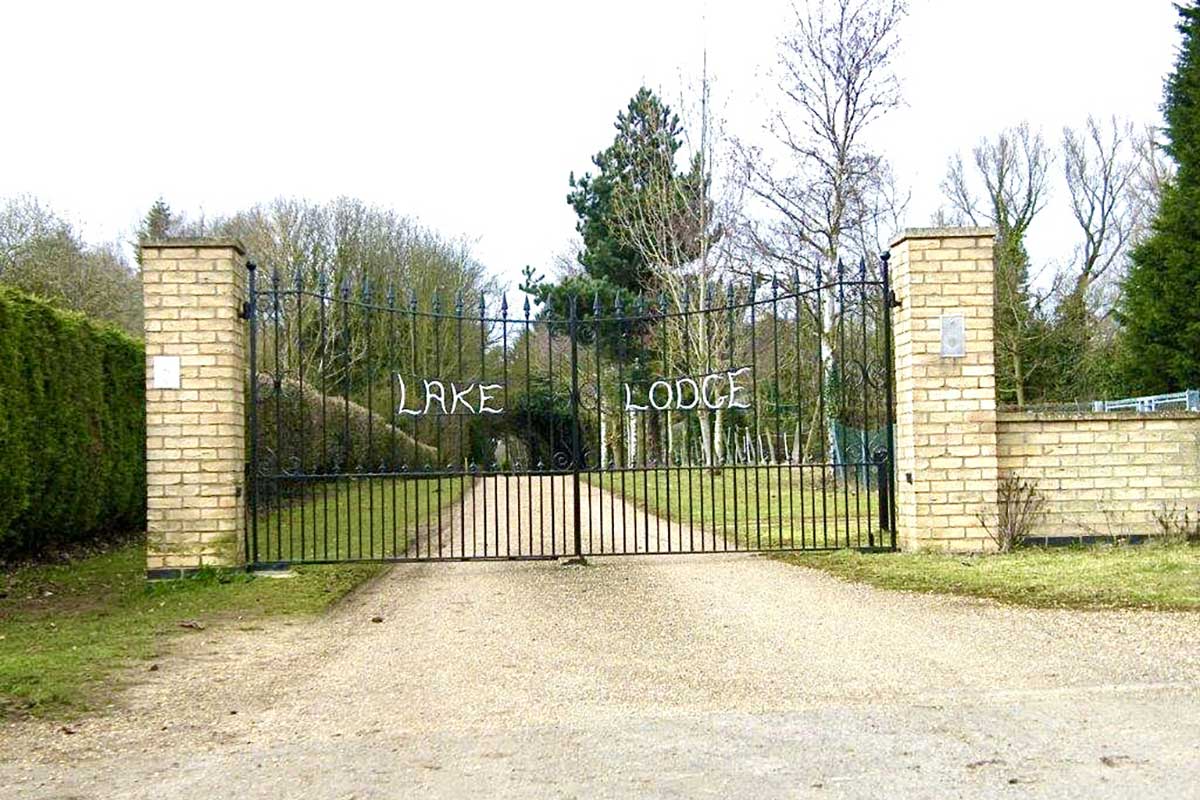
(166, 372)
(954, 339)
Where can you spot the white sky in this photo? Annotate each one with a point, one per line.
(469, 116)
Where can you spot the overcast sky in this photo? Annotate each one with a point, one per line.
(470, 116)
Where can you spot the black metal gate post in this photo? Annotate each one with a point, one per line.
(573, 330)
(251, 316)
(889, 301)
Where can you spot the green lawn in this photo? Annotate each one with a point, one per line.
(67, 630)
(767, 506)
(356, 519)
(1151, 576)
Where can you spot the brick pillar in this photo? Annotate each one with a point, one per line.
(946, 456)
(195, 418)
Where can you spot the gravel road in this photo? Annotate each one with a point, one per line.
(682, 676)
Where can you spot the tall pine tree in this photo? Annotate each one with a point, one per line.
(1160, 304)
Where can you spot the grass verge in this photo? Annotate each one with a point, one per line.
(810, 506)
(1164, 577)
(357, 519)
(66, 630)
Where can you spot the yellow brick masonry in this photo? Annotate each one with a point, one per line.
(195, 442)
(1104, 474)
(946, 448)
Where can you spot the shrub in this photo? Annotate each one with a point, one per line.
(72, 428)
(1019, 508)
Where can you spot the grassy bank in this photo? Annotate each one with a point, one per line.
(67, 630)
(1152, 576)
(357, 519)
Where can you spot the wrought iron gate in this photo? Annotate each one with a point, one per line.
(747, 414)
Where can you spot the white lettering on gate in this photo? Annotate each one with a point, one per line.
(685, 394)
(435, 392)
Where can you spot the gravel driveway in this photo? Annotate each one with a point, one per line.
(682, 676)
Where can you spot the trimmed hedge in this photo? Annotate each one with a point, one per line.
(72, 428)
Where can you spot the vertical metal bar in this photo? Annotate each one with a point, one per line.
(482, 380)
(664, 430)
(865, 456)
(734, 467)
(841, 383)
(798, 448)
(462, 434)
(889, 301)
(575, 443)
(596, 327)
(367, 328)
(323, 291)
(347, 442)
(507, 450)
(754, 394)
(824, 432)
(687, 428)
(298, 283)
(778, 403)
(278, 383)
(413, 522)
(393, 418)
(529, 439)
(553, 432)
(623, 333)
(252, 320)
(438, 372)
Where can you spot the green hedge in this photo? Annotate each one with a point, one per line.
(72, 428)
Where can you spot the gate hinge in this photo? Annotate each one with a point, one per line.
(245, 312)
(893, 300)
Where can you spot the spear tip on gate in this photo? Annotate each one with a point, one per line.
(526, 306)
(596, 303)
(504, 306)
(458, 302)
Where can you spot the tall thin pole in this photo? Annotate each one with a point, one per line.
(575, 447)
(888, 301)
(252, 320)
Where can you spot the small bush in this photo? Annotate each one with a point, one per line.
(1019, 506)
(72, 428)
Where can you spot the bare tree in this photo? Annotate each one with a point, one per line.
(1099, 174)
(835, 78)
(1012, 171)
(1154, 170)
(827, 195)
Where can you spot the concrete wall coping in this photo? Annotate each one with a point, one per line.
(201, 241)
(943, 233)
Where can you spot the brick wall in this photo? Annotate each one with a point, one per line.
(195, 440)
(1104, 474)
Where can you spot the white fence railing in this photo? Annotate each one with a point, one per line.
(1189, 400)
